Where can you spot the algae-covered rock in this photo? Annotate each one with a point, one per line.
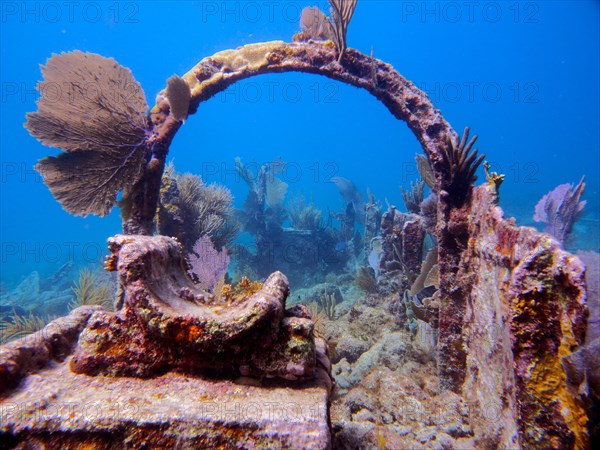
(168, 323)
(275, 377)
(523, 310)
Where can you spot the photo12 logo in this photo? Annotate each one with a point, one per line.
(276, 92)
(470, 12)
(69, 12)
(481, 92)
(51, 252)
(254, 12)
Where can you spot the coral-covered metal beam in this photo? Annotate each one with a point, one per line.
(404, 100)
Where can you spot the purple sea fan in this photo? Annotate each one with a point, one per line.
(560, 208)
(208, 264)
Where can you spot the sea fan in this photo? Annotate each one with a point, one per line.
(341, 13)
(560, 208)
(207, 264)
(316, 24)
(94, 110)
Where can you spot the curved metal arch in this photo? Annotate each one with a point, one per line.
(216, 73)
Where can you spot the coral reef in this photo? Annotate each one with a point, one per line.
(414, 197)
(511, 302)
(311, 248)
(559, 209)
(189, 209)
(387, 386)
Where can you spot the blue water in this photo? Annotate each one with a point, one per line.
(523, 75)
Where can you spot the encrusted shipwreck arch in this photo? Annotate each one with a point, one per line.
(487, 299)
(216, 73)
(512, 302)
(404, 100)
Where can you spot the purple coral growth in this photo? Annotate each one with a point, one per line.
(208, 264)
(560, 208)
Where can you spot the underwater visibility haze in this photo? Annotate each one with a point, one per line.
(291, 224)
